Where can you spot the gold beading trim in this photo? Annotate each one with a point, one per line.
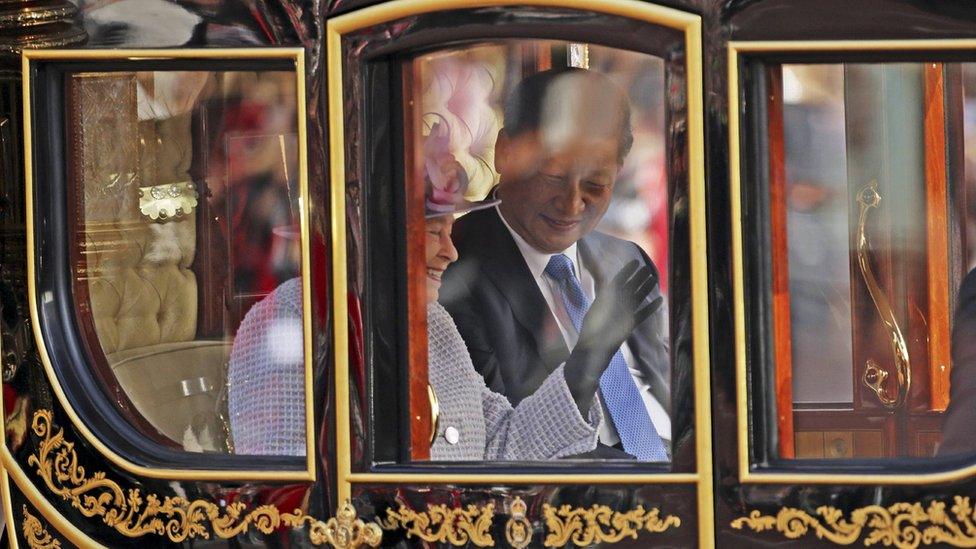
(36, 534)
(134, 515)
(899, 524)
(600, 524)
(441, 523)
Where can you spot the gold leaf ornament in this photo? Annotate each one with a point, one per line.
(443, 524)
(518, 529)
(600, 524)
(345, 531)
(133, 515)
(902, 525)
(168, 201)
(36, 535)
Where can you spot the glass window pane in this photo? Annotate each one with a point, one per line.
(187, 254)
(532, 353)
(867, 226)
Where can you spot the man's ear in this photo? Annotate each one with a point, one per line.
(502, 149)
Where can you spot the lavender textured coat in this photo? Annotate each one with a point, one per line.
(545, 425)
(266, 396)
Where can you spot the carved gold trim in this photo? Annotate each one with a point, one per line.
(36, 534)
(518, 529)
(600, 524)
(565, 525)
(441, 523)
(134, 515)
(345, 531)
(900, 524)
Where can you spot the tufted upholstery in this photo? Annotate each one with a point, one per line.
(142, 291)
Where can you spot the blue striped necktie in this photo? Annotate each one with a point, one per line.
(620, 393)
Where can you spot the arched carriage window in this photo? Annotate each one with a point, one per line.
(855, 175)
(422, 118)
(170, 255)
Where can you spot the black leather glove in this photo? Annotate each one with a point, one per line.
(614, 314)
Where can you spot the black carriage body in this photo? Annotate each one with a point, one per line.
(84, 464)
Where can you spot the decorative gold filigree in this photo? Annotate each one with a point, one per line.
(179, 519)
(901, 524)
(36, 534)
(345, 531)
(162, 202)
(600, 524)
(518, 529)
(443, 524)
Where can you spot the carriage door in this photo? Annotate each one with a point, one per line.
(419, 97)
(851, 201)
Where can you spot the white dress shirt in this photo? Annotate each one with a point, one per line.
(537, 262)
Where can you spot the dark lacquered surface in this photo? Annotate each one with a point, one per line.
(675, 500)
(779, 20)
(232, 24)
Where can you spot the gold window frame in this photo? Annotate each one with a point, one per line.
(690, 25)
(297, 56)
(736, 49)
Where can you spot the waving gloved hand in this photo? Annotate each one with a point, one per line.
(618, 308)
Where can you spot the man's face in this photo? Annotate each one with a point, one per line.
(552, 196)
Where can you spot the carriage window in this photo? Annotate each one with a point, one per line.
(871, 224)
(539, 226)
(186, 253)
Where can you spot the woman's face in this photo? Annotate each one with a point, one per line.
(440, 252)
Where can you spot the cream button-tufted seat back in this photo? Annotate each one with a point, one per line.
(143, 291)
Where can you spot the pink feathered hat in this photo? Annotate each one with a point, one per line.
(445, 179)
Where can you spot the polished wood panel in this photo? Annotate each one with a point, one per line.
(420, 420)
(869, 444)
(779, 240)
(937, 223)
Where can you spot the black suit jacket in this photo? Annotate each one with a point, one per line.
(959, 427)
(510, 332)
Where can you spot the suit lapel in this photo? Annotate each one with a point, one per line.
(506, 268)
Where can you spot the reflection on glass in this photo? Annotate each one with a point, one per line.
(816, 204)
(547, 326)
(869, 243)
(186, 199)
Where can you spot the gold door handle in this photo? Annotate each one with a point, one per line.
(874, 376)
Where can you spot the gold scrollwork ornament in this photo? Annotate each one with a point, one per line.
(902, 525)
(441, 523)
(518, 529)
(134, 515)
(345, 531)
(36, 534)
(600, 524)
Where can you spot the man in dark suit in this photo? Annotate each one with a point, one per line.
(530, 267)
